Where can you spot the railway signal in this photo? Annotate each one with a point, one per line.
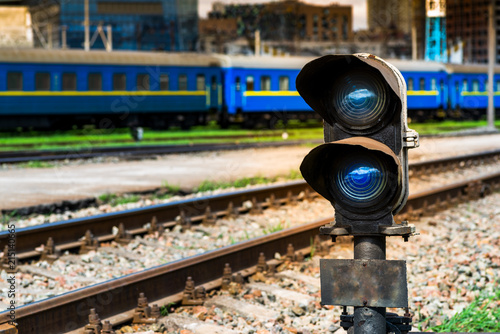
(362, 169)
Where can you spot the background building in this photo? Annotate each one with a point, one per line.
(390, 15)
(135, 24)
(467, 28)
(289, 25)
(390, 24)
(15, 27)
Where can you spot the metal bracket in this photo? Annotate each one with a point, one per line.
(411, 139)
(334, 230)
(403, 323)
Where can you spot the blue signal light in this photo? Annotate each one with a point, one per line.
(360, 98)
(361, 181)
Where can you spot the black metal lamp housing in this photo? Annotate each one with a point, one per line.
(363, 166)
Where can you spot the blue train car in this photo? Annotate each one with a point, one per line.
(45, 88)
(61, 88)
(427, 88)
(263, 89)
(468, 89)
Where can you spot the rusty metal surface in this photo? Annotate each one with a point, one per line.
(72, 230)
(372, 283)
(70, 311)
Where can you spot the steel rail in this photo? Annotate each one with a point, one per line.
(67, 233)
(69, 311)
(134, 151)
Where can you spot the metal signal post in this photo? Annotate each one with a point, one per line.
(362, 169)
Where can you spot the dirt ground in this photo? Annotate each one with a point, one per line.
(33, 186)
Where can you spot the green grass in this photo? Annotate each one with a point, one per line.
(114, 199)
(434, 127)
(482, 315)
(276, 228)
(36, 164)
(91, 137)
(209, 185)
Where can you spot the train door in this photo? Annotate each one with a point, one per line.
(215, 93)
(237, 91)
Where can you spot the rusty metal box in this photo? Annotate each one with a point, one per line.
(375, 283)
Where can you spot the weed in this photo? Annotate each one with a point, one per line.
(165, 309)
(114, 199)
(313, 249)
(36, 164)
(272, 229)
(208, 185)
(171, 189)
(294, 175)
(107, 198)
(480, 316)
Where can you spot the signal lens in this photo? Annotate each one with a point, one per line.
(360, 98)
(362, 181)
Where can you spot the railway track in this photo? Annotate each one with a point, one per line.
(133, 152)
(165, 284)
(66, 234)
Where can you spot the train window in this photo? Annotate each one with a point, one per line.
(14, 81)
(183, 82)
(284, 83)
(475, 85)
(265, 82)
(42, 81)
(433, 84)
(238, 83)
(69, 81)
(95, 81)
(456, 87)
(142, 81)
(498, 85)
(422, 84)
(464, 85)
(250, 83)
(200, 82)
(214, 82)
(410, 83)
(164, 82)
(119, 81)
